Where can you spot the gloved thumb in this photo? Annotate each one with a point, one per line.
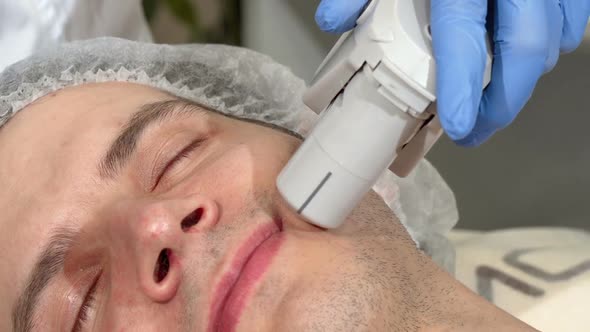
(338, 16)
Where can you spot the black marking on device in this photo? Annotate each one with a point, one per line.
(315, 191)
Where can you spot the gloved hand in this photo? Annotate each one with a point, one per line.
(528, 37)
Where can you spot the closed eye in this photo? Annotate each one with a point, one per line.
(88, 306)
(184, 153)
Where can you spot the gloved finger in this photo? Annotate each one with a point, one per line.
(459, 42)
(576, 14)
(526, 44)
(338, 16)
(554, 31)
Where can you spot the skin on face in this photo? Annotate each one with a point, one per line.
(200, 210)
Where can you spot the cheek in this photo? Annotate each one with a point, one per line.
(241, 175)
(229, 177)
(272, 154)
(128, 314)
(125, 292)
(259, 162)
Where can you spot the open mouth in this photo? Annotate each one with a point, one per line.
(247, 267)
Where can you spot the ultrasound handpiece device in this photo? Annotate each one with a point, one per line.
(375, 93)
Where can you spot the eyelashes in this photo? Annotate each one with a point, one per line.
(181, 155)
(88, 306)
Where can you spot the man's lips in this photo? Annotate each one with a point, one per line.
(247, 266)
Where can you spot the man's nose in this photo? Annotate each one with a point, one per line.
(161, 231)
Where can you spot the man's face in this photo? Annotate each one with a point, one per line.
(124, 210)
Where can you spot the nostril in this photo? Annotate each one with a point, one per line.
(162, 266)
(192, 219)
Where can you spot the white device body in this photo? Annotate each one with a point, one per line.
(376, 92)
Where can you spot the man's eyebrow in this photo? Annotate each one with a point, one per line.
(125, 144)
(49, 263)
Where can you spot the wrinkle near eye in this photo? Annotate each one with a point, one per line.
(183, 154)
(162, 143)
(168, 150)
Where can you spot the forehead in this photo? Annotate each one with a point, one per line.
(45, 146)
(50, 136)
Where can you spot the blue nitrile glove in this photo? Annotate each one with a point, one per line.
(527, 36)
